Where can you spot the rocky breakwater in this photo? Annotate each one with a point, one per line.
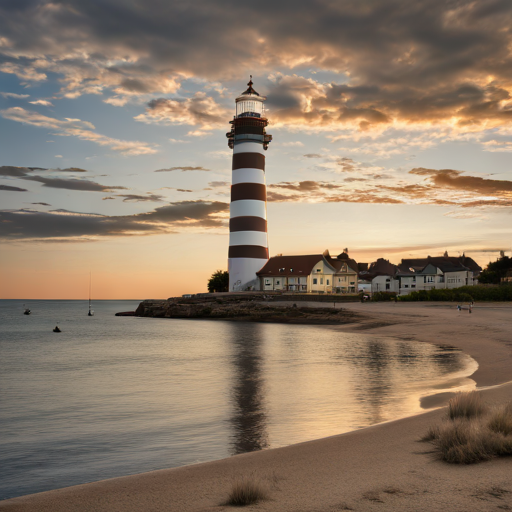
(244, 310)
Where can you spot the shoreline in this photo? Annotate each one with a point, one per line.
(357, 469)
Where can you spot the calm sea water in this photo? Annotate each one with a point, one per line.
(112, 396)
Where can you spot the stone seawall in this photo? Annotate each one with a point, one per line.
(246, 308)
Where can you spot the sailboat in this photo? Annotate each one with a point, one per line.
(91, 312)
(26, 311)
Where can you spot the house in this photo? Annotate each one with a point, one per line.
(312, 273)
(436, 272)
(379, 277)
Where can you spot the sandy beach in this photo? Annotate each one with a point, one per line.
(383, 467)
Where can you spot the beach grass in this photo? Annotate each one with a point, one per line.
(500, 419)
(246, 490)
(472, 432)
(466, 405)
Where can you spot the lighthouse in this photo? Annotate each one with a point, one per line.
(248, 243)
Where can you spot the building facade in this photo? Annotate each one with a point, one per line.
(248, 242)
(312, 273)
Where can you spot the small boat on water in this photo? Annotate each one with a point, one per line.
(26, 311)
(56, 329)
(91, 312)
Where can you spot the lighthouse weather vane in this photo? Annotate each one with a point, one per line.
(248, 242)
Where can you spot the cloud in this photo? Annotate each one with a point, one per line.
(71, 184)
(215, 184)
(15, 172)
(63, 225)
(199, 110)
(449, 178)
(400, 64)
(312, 155)
(26, 173)
(70, 169)
(14, 95)
(12, 189)
(183, 169)
(138, 198)
(292, 144)
(42, 204)
(46, 103)
(77, 128)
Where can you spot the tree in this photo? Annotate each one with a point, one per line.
(496, 270)
(219, 282)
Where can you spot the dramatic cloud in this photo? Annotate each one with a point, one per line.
(72, 226)
(398, 61)
(42, 204)
(199, 110)
(183, 169)
(77, 128)
(7, 188)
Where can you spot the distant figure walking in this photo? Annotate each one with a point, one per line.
(458, 308)
(470, 308)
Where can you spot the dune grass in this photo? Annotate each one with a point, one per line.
(466, 405)
(246, 490)
(500, 420)
(472, 432)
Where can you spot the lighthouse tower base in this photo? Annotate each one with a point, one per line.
(242, 274)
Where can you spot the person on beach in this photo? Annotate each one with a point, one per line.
(470, 307)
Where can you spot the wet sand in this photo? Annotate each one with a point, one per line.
(382, 467)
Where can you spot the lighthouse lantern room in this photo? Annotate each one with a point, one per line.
(248, 243)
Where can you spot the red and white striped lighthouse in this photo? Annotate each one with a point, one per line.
(248, 244)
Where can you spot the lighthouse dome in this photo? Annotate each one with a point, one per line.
(250, 103)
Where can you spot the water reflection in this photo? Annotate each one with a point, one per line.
(249, 417)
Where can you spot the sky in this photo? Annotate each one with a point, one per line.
(391, 124)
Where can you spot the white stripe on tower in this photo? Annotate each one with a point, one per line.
(248, 242)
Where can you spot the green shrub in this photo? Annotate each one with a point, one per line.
(383, 296)
(462, 294)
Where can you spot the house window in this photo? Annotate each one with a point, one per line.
(352, 282)
(387, 286)
(278, 282)
(319, 270)
(413, 286)
(327, 282)
(321, 280)
(430, 279)
(267, 281)
(406, 286)
(315, 280)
